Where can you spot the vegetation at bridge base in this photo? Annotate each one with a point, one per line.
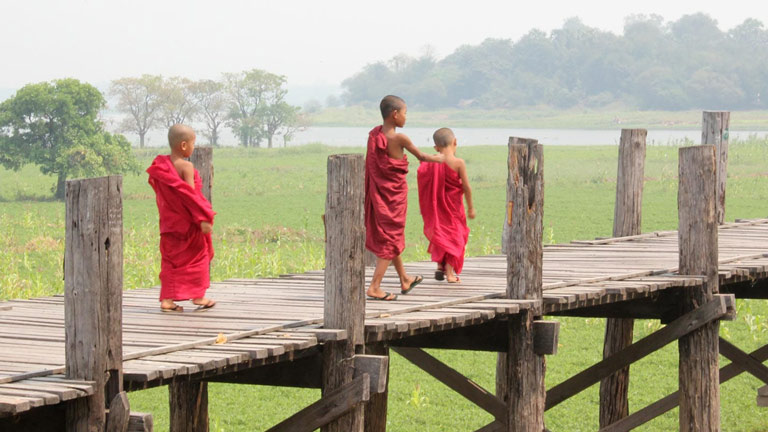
(269, 204)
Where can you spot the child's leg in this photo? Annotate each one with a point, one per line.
(374, 290)
(406, 282)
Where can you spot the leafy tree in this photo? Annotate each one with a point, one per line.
(277, 116)
(139, 98)
(56, 126)
(257, 106)
(212, 106)
(177, 101)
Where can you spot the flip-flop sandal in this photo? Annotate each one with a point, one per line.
(415, 282)
(175, 308)
(210, 304)
(458, 280)
(439, 275)
(385, 298)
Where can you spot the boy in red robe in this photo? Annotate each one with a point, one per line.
(186, 220)
(441, 188)
(386, 195)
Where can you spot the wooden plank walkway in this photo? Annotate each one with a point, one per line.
(258, 322)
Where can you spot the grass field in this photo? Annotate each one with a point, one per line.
(269, 204)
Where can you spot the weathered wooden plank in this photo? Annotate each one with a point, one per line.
(119, 414)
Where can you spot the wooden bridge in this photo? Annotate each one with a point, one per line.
(73, 356)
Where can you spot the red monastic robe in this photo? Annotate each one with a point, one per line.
(441, 203)
(386, 198)
(186, 252)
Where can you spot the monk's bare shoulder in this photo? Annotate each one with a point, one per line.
(186, 171)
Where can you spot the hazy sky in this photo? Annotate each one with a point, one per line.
(310, 42)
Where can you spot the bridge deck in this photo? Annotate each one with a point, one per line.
(264, 321)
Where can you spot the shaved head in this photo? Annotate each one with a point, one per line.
(443, 137)
(178, 133)
(390, 103)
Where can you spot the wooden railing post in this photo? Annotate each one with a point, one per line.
(714, 131)
(520, 373)
(188, 399)
(344, 303)
(376, 408)
(697, 235)
(93, 292)
(627, 221)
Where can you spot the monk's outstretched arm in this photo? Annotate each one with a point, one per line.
(467, 189)
(408, 145)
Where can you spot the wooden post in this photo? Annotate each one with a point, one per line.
(376, 408)
(714, 131)
(188, 400)
(520, 379)
(344, 303)
(627, 221)
(189, 405)
(93, 290)
(202, 159)
(697, 235)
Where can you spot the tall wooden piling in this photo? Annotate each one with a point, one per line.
(627, 221)
(344, 303)
(188, 400)
(520, 373)
(202, 159)
(715, 131)
(93, 289)
(697, 213)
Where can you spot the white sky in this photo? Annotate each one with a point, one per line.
(311, 42)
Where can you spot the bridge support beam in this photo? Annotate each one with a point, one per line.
(344, 299)
(627, 221)
(93, 293)
(520, 373)
(697, 234)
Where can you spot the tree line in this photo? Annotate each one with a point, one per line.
(684, 64)
(251, 103)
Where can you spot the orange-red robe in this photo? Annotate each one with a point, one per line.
(441, 195)
(386, 198)
(186, 252)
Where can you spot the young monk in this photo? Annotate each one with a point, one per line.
(386, 196)
(441, 187)
(186, 220)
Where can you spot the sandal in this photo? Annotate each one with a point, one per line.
(202, 307)
(417, 280)
(175, 308)
(439, 275)
(458, 280)
(385, 298)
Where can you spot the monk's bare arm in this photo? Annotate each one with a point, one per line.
(408, 145)
(467, 188)
(206, 227)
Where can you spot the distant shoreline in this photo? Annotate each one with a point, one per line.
(540, 118)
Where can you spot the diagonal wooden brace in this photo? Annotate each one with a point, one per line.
(328, 408)
(456, 381)
(670, 401)
(651, 343)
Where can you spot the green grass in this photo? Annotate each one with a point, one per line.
(540, 117)
(269, 204)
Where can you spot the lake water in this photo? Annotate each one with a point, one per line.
(422, 137)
